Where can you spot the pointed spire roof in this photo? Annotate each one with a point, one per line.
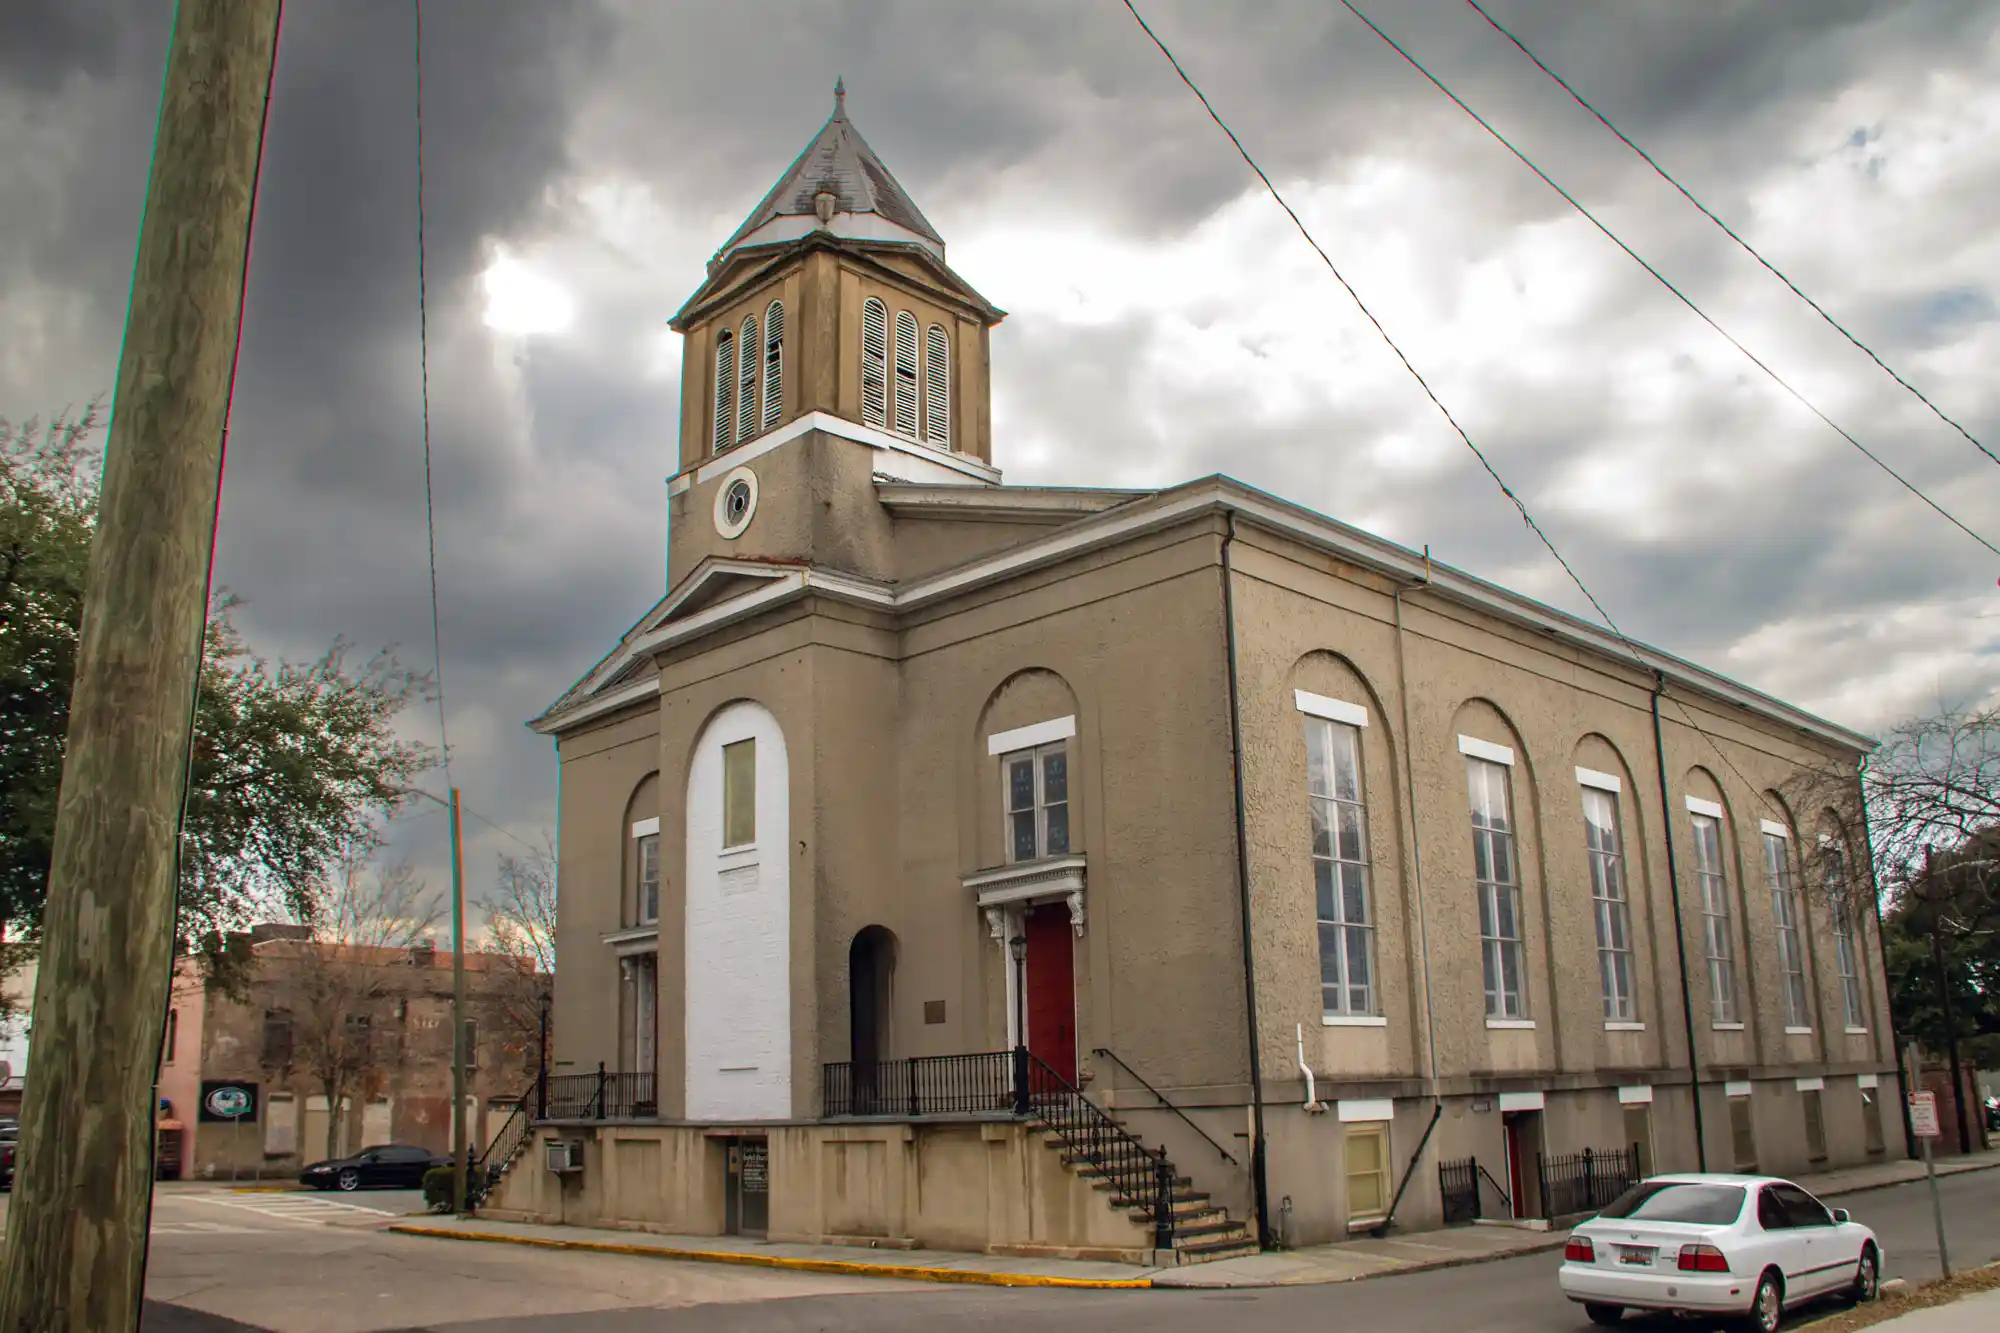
(838, 162)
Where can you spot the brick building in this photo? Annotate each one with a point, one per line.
(382, 1016)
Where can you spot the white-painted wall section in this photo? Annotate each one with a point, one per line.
(739, 1004)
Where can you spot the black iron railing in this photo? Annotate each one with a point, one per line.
(1099, 1146)
(1140, 1079)
(1586, 1181)
(1461, 1183)
(602, 1095)
(490, 1161)
(1458, 1182)
(926, 1085)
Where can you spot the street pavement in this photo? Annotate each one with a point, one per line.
(228, 1261)
(307, 1277)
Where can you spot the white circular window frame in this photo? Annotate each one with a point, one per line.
(731, 531)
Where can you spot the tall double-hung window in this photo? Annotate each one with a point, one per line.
(1337, 805)
(1496, 875)
(1717, 936)
(1604, 846)
(1789, 915)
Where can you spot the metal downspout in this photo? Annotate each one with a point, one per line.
(1423, 915)
(1680, 932)
(1260, 1186)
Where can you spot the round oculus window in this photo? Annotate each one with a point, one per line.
(736, 502)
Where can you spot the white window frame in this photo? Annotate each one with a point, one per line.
(1037, 755)
(1854, 1007)
(937, 386)
(749, 369)
(725, 392)
(1718, 941)
(906, 399)
(645, 836)
(1338, 743)
(875, 363)
(774, 363)
(1610, 903)
(1493, 893)
(1788, 916)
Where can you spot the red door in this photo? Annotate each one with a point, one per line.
(1052, 989)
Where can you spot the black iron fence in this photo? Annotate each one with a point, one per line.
(602, 1095)
(1586, 1181)
(1458, 1182)
(927, 1085)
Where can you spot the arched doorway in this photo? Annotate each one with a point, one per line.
(871, 972)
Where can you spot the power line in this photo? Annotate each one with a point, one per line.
(1729, 232)
(1415, 374)
(1685, 300)
(1631, 647)
(424, 364)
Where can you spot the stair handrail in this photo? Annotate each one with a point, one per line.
(512, 1133)
(1498, 1188)
(1138, 1175)
(1114, 1057)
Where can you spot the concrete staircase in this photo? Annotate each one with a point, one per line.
(1140, 1182)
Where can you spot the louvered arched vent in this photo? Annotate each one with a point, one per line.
(774, 363)
(725, 386)
(937, 386)
(746, 382)
(874, 363)
(906, 374)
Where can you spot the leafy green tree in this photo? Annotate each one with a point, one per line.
(292, 763)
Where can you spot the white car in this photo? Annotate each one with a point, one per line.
(1747, 1247)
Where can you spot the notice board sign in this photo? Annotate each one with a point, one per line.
(1923, 1115)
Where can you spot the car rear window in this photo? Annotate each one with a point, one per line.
(1679, 1201)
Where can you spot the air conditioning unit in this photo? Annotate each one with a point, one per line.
(565, 1155)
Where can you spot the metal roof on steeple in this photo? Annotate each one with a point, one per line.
(838, 162)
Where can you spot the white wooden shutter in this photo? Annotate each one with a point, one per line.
(725, 386)
(937, 386)
(774, 363)
(875, 363)
(906, 374)
(746, 381)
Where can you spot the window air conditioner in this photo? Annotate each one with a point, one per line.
(565, 1155)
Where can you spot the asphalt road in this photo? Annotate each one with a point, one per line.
(304, 1278)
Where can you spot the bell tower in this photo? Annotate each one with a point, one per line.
(829, 325)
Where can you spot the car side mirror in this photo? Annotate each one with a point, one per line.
(1841, 1217)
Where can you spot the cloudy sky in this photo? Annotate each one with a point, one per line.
(584, 159)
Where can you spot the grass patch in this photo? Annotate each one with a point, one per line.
(1939, 1291)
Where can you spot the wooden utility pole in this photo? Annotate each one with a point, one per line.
(76, 1228)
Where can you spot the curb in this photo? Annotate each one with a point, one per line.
(845, 1267)
(1400, 1270)
(1914, 1180)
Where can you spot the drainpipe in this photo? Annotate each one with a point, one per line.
(1313, 1105)
(1903, 1085)
(1259, 1184)
(1680, 934)
(1423, 916)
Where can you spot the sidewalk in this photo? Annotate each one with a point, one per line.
(1974, 1314)
(1348, 1261)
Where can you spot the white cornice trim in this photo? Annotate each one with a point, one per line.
(1487, 750)
(1775, 829)
(550, 724)
(646, 828)
(1590, 777)
(1219, 495)
(1333, 710)
(1028, 737)
(1697, 806)
(828, 424)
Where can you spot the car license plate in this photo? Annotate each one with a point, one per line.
(1641, 1255)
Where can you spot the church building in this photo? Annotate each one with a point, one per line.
(1141, 874)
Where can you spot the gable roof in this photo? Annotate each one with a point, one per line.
(839, 161)
(1123, 521)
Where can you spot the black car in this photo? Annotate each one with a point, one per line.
(7, 1149)
(388, 1166)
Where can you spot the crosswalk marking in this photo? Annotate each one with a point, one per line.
(307, 1210)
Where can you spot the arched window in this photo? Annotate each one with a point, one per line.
(725, 386)
(906, 374)
(746, 382)
(774, 363)
(937, 386)
(875, 363)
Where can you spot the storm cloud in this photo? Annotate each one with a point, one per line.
(583, 160)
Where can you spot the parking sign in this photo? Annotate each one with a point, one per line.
(1923, 1115)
